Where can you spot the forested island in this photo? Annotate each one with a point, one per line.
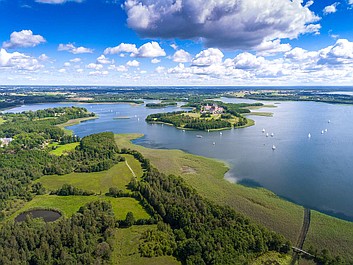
(160, 105)
(206, 115)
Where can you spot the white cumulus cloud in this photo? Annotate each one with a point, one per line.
(73, 49)
(18, 61)
(150, 50)
(267, 48)
(220, 23)
(339, 53)
(147, 50)
(208, 57)
(133, 63)
(181, 56)
(122, 47)
(103, 60)
(331, 8)
(155, 60)
(75, 60)
(23, 38)
(94, 66)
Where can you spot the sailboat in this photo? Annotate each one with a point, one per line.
(263, 130)
(325, 130)
(273, 147)
(220, 133)
(266, 134)
(272, 134)
(309, 135)
(322, 132)
(329, 121)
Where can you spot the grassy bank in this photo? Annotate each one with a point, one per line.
(207, 177)
(262, 206)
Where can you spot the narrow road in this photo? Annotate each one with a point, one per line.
(133, 173)
(302, 236)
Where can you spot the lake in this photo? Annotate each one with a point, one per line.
(316, 172)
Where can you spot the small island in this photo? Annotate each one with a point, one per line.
(160, 105)
(206, 116)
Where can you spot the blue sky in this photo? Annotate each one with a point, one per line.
(176, 42)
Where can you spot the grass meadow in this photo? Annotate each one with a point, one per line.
(99, 182)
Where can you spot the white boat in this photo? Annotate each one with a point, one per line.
(183, 130)
(220, 133)
(266, 134)
(329, 121)
(273, 147)
(263, 130)
(309, 135)
(208, 130)
(214, 143)
(199, 136)
(272, 134)
(322, 132)
(325, 130)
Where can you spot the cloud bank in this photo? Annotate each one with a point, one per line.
(233, 24)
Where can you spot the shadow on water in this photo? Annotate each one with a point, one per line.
(250, 183)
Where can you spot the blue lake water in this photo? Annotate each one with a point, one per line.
(316, 172)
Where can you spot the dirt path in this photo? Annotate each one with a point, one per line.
(133, 173)
(302, 236)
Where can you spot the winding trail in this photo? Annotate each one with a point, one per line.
(302, 236)
(133, 173)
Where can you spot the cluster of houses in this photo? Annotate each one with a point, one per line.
(213, 109)
(5, 141)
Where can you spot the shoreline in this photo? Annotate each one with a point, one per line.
(74, 122)
(250, 122)
(257, 203)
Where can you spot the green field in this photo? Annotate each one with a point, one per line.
(63, 149)
(68, 205)
(262, 206)
(99, 182)
(2, 120)
(126, 248)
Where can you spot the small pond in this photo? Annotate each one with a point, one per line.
(47, 215)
